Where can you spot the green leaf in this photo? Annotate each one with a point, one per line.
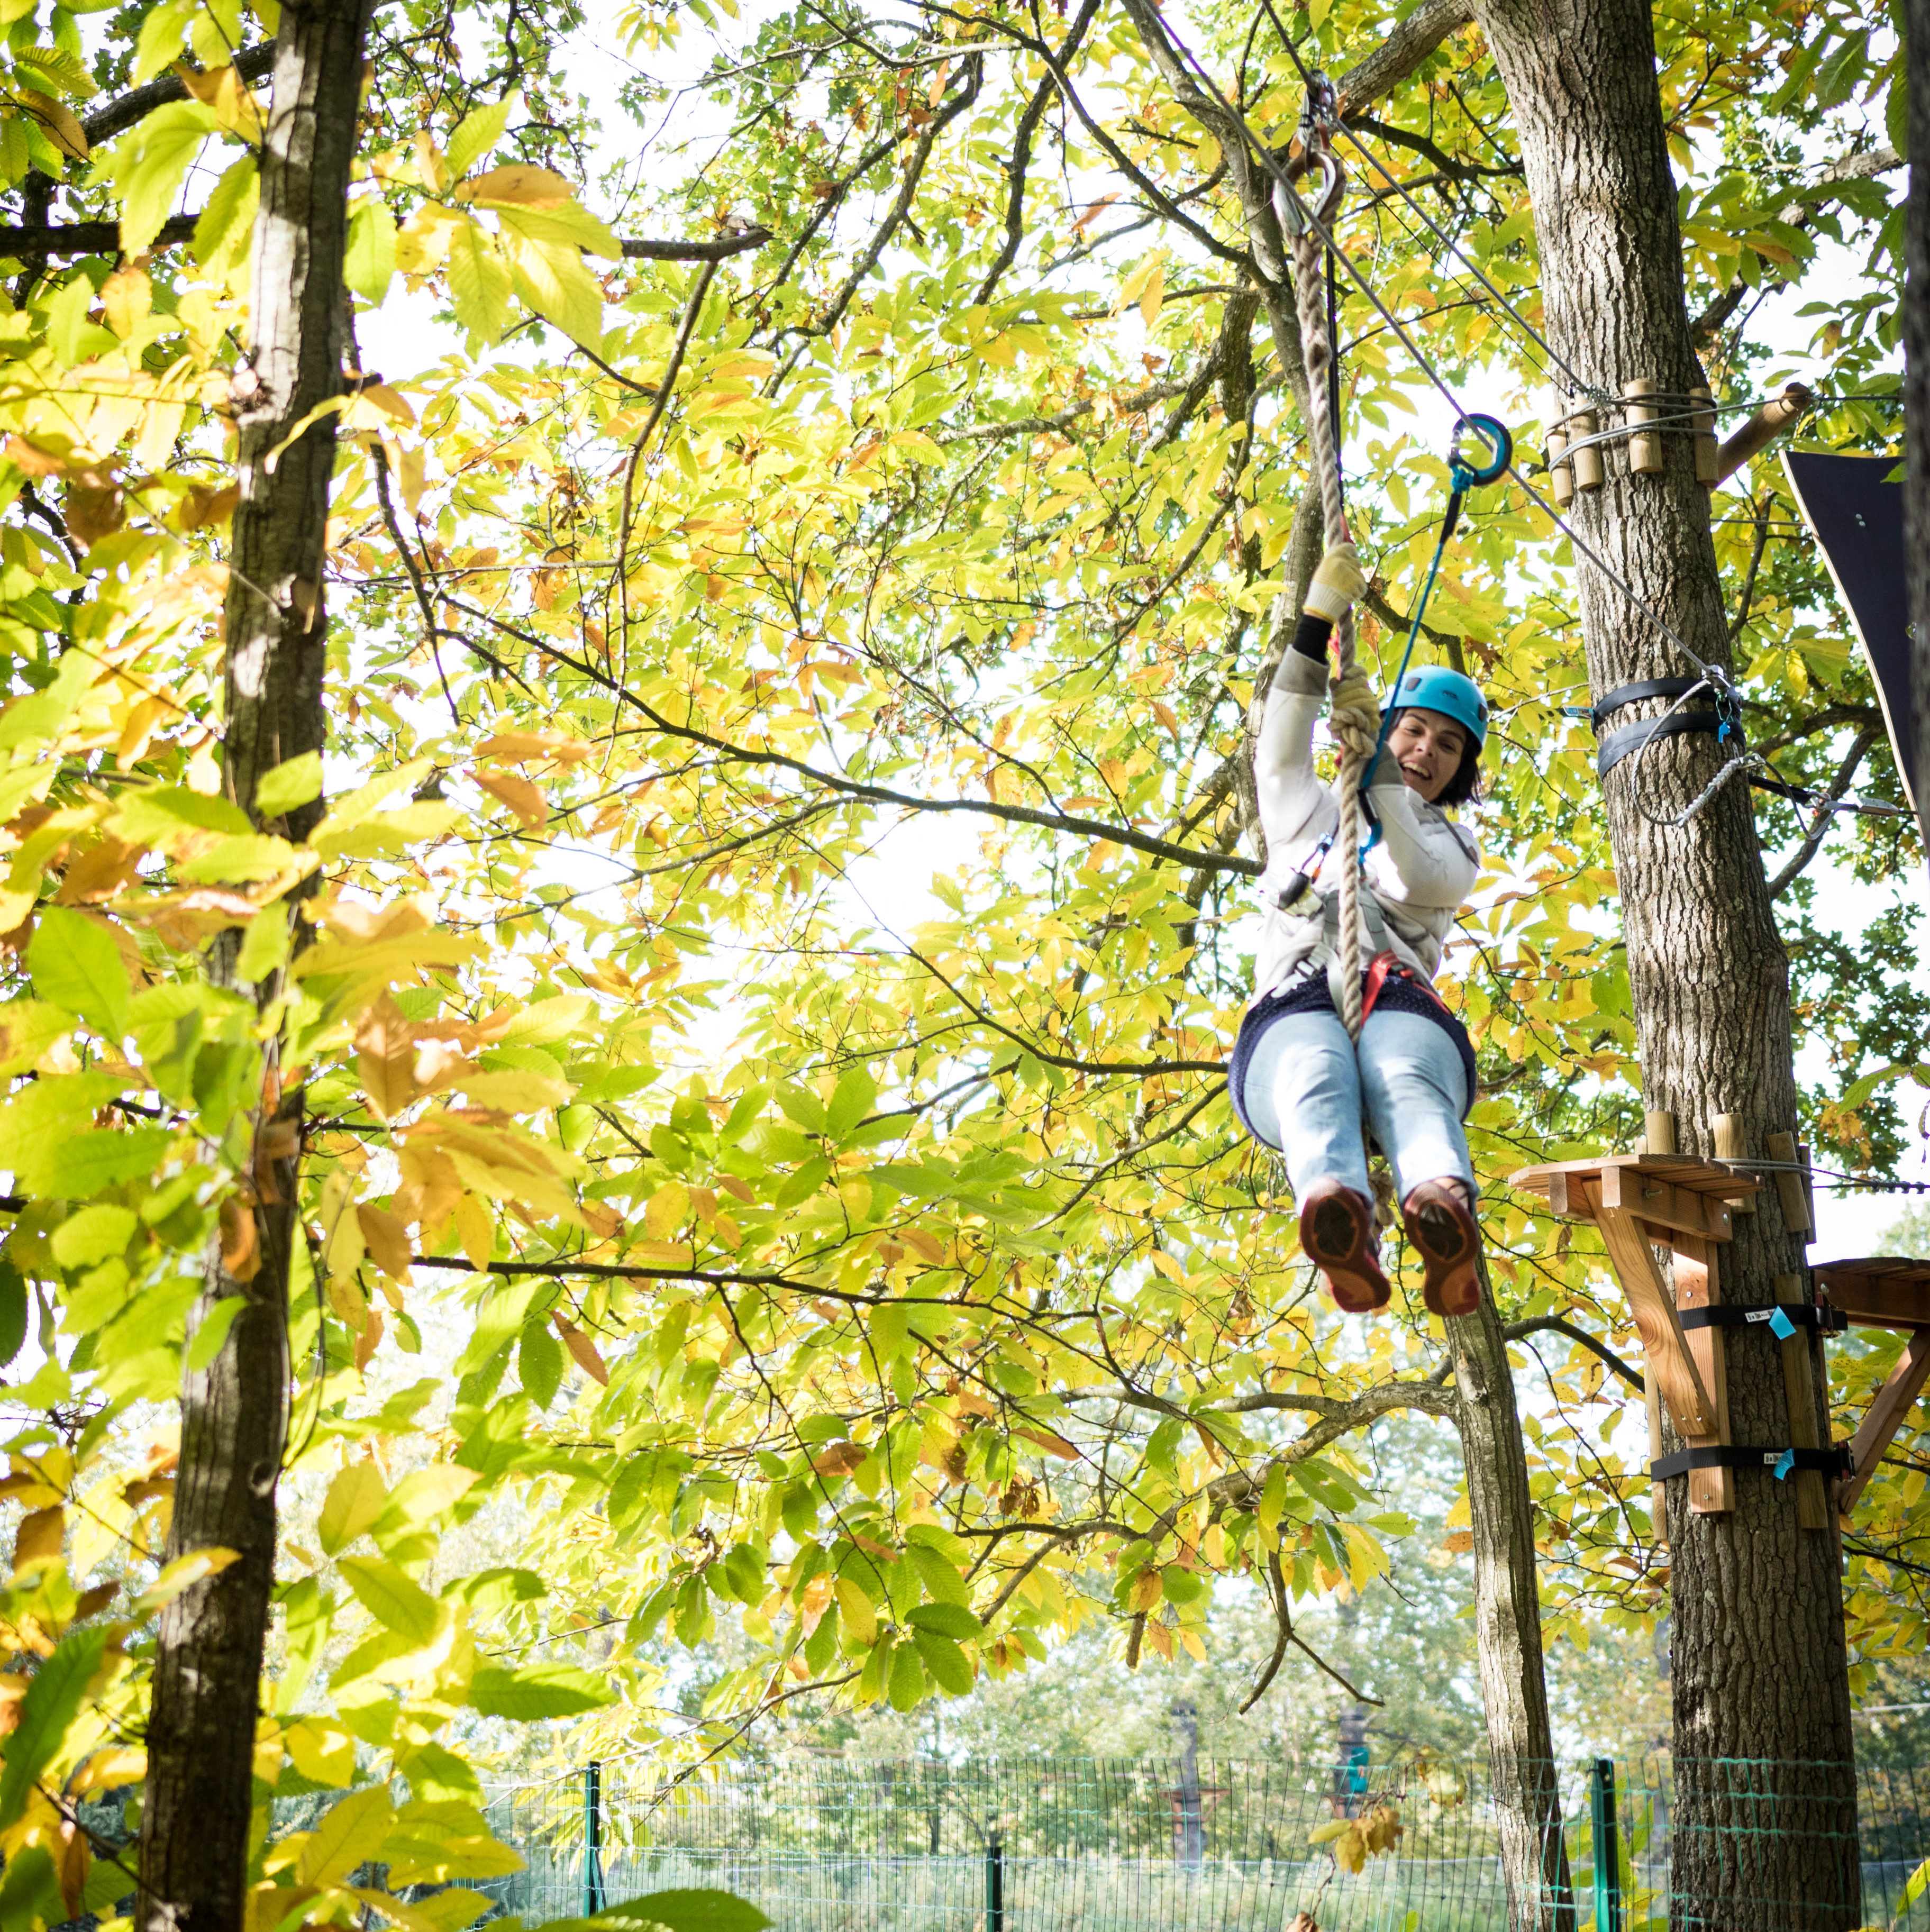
(478, 281)
(951, 1620)
(53, 1701)
(950, 1669)
(550, 277)
(542, 1690)
(75, 963)
(855, 1095)
(477, 133)
(150, 163)
(213, 1331)
(296, 781)
(30, 1894)
(391, 1597)
(13, 1311)
(906, 1690)
(686, 1910)
(228, 215)
(369, 265)
(539, 1362)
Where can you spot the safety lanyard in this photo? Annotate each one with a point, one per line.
(1463, 476)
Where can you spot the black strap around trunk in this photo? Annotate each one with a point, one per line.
(1834, 1461)
(1795, 1314)
(1619, 745)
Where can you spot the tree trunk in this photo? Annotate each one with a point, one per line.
(1916, 393)
(1760, 1663)
(194, 1827)
(1508, 1626)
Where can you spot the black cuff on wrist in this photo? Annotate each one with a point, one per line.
(1310, 636)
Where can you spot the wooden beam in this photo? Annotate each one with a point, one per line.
(1887, 1412)
(1711, 1491)
(1812, 1504)
(1662, 1342)
(1761, 430)
(1658, 1493)
(1651, 1198)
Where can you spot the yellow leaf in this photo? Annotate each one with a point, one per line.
(1153, 296)
(386, 1238)
(385, 1058)
(668, 1207)
(64, 131)
(321, 1750)
(356, 1498)
(40, 1538)
(519, 795)
(109, 1769)
(476, 1229)
(183, 1573)
(519, 186)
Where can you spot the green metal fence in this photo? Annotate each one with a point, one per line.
(1096, 1845)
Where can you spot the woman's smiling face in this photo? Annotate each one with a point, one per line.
(1429, 747)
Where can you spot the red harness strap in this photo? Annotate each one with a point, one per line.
(1390, 964)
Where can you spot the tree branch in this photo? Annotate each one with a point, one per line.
(1411, 42)
(1516, 1331)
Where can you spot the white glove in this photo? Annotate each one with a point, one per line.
(1337, 583)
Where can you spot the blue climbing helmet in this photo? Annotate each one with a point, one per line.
(1435, 688)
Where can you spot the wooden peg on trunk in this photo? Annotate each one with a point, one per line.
(1586, 463)
(1659, 1127)
(1708, 457)
(1732, 1145)
(1561, 475)
(1790, 1191)
(1645, 451)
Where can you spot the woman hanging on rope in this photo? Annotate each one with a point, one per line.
(1299, 1082)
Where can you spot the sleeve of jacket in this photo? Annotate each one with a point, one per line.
(1293, 802)
(1438, 861)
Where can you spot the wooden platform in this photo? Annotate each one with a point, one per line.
(1882, 1291)
(1641, 1201)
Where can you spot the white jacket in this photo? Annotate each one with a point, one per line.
(1419, 873)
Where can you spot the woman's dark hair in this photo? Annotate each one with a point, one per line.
(1465, 785)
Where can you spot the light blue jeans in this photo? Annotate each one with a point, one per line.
(1308, 1089)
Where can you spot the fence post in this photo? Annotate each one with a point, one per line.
(594, 1900)
(994, 1882)
(1607, 1847)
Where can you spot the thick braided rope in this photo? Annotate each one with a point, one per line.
(1354, 716)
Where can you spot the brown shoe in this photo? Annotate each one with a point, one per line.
(1337, 1236)
(1439, 1224)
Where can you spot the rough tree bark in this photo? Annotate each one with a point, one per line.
(1759, 1658)
(1917, 391)
(194, 1827)
(1507, 1625)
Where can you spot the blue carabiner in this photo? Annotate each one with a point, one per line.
(1496, 433)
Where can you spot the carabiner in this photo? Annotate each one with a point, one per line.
(1496, 433)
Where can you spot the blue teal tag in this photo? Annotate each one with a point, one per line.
(1785, 1463)
(1780, 1326)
